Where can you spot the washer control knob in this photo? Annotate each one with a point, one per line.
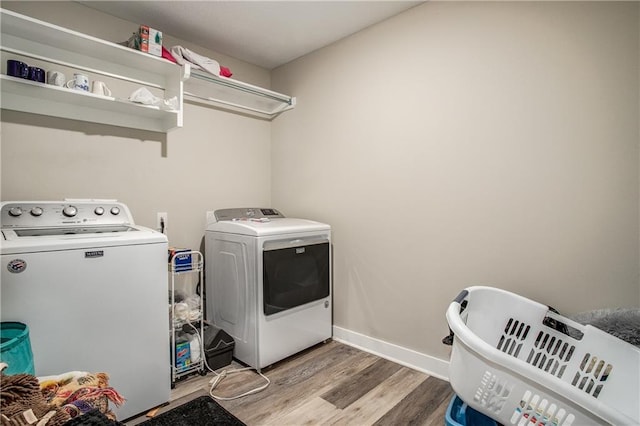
(37, 211)
(69, 211)
(99, 211)
(115, 211)
(15, 211)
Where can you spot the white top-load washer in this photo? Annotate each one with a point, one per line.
(92, 287)
(268, 282)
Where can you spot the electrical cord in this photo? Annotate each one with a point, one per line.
(225, 373)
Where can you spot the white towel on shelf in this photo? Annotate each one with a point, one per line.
(182, 55)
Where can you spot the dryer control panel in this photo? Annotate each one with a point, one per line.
(251, 213)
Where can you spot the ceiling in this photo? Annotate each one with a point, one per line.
(264, 33)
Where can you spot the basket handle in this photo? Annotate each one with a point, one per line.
(448, 340)
(553, 319)
(460, 297)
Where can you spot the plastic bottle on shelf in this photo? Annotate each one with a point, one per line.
(183, 350)
(194, 346)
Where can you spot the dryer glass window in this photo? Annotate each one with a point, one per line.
(294, 276)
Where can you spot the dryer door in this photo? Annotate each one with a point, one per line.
(294, 273)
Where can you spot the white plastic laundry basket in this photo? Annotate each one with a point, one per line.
(519, 363)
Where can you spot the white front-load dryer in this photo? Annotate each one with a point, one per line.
(268, 282)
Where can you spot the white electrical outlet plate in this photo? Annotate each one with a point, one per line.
(160, 219)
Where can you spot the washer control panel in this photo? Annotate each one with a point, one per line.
(251, 213)
(37, 214)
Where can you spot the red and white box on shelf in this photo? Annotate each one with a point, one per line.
(149, 40)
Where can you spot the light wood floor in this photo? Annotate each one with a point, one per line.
(331, 383)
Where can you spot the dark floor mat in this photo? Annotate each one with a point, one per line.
(202, 411)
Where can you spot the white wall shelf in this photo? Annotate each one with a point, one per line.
(227, 93)
(29, 39)
(38, 98)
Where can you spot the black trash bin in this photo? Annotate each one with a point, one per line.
(218, 347)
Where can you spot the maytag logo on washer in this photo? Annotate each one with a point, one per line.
(16, 266)
(95, 253)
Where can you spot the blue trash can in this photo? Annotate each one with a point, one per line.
(460, 414)
(15, 348)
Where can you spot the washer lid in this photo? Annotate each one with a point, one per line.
(264, 226)
(12, 243)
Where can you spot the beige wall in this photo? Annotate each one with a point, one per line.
(216, 160)
(469, 143)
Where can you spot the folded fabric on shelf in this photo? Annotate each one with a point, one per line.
(168, 56)
(225, 72)
(183, 55)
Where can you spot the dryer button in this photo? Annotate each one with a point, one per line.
(115, 211)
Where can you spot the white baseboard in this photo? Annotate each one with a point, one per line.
(407, 357)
